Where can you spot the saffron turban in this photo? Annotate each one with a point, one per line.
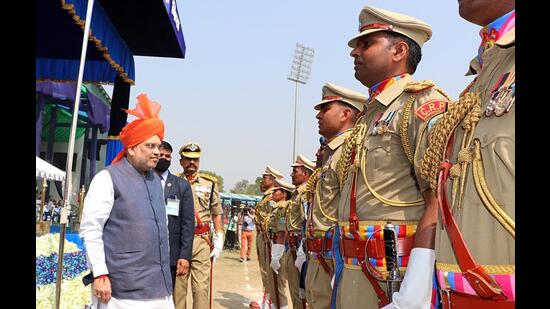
(147, 125)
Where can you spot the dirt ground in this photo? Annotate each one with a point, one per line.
(235, 283)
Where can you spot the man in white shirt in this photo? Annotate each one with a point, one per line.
(124, 221)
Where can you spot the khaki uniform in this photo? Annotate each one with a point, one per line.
(207, 202)
(388, 185)
(262, 211)
(322, 216)
(276, 222)
(489, 243)
(295, 218)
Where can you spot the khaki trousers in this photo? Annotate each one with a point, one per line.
(260, 249)
(293, 277)
(199, 271)
(355, 291)
(318, 289)
(281, 282)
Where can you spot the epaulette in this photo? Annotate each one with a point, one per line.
(178, 175)
(418, 86)
(209, 177)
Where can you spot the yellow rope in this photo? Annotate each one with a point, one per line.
(355, 140)
(379, 197)
(312, 183)
(318, 199)
(485, 194)
(440, 135)
(404, 128)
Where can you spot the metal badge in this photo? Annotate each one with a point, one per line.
(505, 100)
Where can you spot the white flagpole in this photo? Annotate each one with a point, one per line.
(68, 181)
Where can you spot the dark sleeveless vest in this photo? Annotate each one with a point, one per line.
(135, 235)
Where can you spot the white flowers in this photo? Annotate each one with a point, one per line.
(74, 295)
(49, 243)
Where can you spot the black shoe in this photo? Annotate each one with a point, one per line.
(241, 259)
(248, 259)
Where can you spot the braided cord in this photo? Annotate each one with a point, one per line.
(440, 135)
(350, 144)
(404, 128)
(312, 183)
(485, 194)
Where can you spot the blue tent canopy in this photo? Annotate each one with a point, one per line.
(231, 197)
(59, 31)
(119, 30)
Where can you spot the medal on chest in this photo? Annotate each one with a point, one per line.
(503, 95)
(380, 125)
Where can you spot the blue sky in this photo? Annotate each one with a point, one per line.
(230, 94)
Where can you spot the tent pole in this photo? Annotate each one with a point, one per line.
(68, 174)
(40, 102)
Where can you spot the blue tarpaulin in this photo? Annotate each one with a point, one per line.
(59, 29)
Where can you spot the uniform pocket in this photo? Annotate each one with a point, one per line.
(385, 157)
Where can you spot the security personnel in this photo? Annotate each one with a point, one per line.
(207, 206)
(338, 110)
(377, 168)
(276, 227)
(302, 168)
(472, 150)
(263, 209)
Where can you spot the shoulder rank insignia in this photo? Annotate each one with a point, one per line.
(430, 108)
(209, 177)
(418, 86)
(503, 95)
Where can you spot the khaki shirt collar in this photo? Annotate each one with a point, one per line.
(509, 38)
(388, 95)
(338, 141)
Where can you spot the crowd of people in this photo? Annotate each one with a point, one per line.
(404, 179)
(240, 231)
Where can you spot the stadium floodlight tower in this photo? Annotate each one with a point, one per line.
(299, 73)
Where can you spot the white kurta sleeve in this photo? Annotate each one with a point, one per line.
(97, 208)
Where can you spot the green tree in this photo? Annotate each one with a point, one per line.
(240, 187)
(219, 177)
(254, 188)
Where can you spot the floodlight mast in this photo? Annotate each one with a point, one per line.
(299, 73)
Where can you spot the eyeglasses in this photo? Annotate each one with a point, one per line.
(152, 146)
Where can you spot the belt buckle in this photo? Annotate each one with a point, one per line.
(448, 293)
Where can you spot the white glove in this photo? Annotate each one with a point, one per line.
(332, 281)
(218, 245)
(300, 258)
(416, 288)
(277, 251)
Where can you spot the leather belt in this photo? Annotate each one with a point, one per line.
(316, 245)
(356, 248)
(454, 300)
(202, 229)
(294, 239)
